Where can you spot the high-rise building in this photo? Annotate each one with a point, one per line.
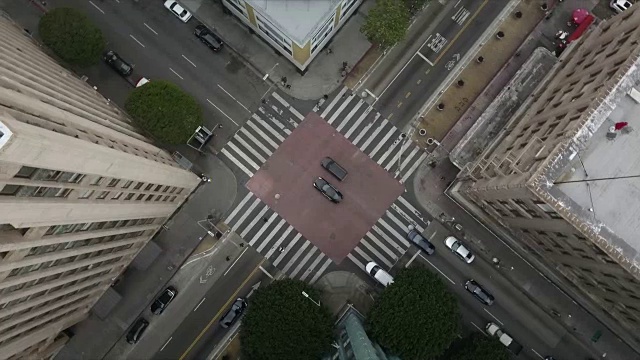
(298, 29)
(81, 192)
(564, 174)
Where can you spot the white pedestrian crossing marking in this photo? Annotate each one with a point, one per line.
(271, 235)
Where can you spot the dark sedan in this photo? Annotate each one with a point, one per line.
(163, 300)
(480, 293)
(208, 38)
(328, 190)
(232, 315)
(117, 63)
(420, 241)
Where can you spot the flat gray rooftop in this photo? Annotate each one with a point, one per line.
(616, 200)
(298, 18)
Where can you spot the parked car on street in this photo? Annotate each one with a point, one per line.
(328, 190)
(479, 292)
(177, 10)
(163, 300)
(420, 241)
(379, 274)
(506, 340)
(208, 37)
(233, 314)
(138, 328)
(334, 168)
(459, 249)
(620, 5)
(117, 63)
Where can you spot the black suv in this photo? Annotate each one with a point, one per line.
(481, 294)
(117, 63)
(328, 190)
(133, 336)
(420, 241)
(234, 313)
(163, 300)
(334, 168)
(208, 37)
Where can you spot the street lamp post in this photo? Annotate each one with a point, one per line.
(308, 297)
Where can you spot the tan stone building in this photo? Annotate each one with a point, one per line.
(81, 192)
(297, 29)
(564, 175)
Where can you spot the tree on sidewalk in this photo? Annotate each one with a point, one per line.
(416, 317)
(72, 36)
(414, 5)
(282, 324)
(164, 110)
(386, 23)
(477, 347)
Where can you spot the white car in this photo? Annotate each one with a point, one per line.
(457, 248)
(620, 5)
(177, 10)
(379, 274)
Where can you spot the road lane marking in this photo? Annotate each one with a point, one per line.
(223, 308)
(136, 40)
(406, 96)
(225, 273)
(424, 58)
(413, 258)
(540, 356)
(418, 82)
(228, 117)
(165, 344)
(398, 107)
(149, 27)
(451, 281)
(231, 96)
(96, 6)
(266, 272)
(190, 62)
(464, 27)
(200, 303)
(477, 327)
(493, 316)
(178, 75)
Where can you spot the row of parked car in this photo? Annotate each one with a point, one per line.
(162, 302)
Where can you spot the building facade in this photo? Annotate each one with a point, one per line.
(81, 192)
(563, 176)
(298, 29)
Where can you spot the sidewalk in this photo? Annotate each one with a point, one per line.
(94, 337)
(430, 184)
(323, 74)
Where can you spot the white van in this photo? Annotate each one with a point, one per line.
(379, 274)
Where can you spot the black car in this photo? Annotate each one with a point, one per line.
(328, 190)
(234, 313)
(133, 336)
(163, 300)
(481, 294)
(117, 63)
(334, 168)
(208, 37)
(420, 241)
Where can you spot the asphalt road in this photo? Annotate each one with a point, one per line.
(401, 98)
(160, 46)
(199, 332)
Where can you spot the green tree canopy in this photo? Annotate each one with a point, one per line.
(72, 36)
(387, 22)
(281, 324)
(416, 317)
(477, 347)
(164, 110)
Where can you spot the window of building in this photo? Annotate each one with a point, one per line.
(127, 184)
(25, 172)
(87, 194)
(75, 178)
(98, 181)
(103, 195)
(346, 6)
(113, 182)
(10, 190)
(138, 185)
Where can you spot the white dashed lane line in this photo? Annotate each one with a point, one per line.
(178, 75)
(136, 40)
(96, 6)
(190, 62)
(149, 27)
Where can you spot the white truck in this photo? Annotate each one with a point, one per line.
(506, 340)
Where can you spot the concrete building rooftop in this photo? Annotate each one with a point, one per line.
(298, 17)
(616, 200)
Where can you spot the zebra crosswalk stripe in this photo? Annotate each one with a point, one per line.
(237, 209)
(286, 104)
(333, 102)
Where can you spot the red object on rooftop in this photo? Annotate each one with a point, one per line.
(620, 125)
(584, 25)
(579, 15)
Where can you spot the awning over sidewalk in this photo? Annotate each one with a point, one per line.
(584, 25)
